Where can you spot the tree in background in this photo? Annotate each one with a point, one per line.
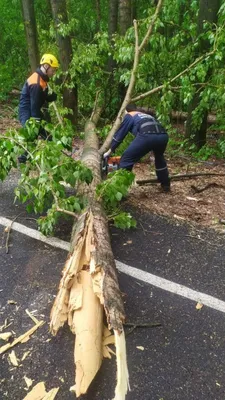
(196, 128)
(13, 54)
(69, 89)
(31, 33)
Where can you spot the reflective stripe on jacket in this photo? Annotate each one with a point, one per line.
(33, 95)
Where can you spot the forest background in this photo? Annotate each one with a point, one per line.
(94, 42)
(179, 75)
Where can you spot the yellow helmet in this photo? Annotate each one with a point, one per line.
(49, 59)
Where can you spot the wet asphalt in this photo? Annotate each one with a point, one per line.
(182, 359)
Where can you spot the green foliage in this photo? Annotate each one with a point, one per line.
(124, 220)
(111, 192)
(173, 45)
(114, 188)
(48, 167)
(13, 57)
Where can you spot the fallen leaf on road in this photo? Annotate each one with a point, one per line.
(11, 302)
(140, 348)
(199, 306)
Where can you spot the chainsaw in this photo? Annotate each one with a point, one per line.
(110, 164)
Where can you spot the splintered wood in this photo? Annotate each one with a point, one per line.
(21, 339)
(39, 393)
(77, 303)
(80, 301)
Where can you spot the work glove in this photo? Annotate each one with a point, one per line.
(52, 97)
(107, 154)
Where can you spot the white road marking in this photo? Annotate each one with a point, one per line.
(172, 287)
(35, 234)
(136, 273)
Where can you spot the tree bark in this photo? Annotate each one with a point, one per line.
(125, 21)
(112, 17)
(98, 15)
(112, 28)
(89, 275)
(208, 11)
(89, 284)
(31, 33)
(70, 96)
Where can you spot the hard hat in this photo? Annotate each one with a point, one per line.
(49, 59)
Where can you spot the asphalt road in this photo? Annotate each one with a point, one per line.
(182, 359)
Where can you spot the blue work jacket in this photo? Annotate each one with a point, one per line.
(33, 95)
(132, 122)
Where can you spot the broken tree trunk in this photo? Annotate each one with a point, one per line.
(89, 286)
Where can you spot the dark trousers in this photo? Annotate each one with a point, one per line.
(143, 144)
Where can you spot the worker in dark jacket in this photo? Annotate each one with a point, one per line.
(149, 136)
(35, 93)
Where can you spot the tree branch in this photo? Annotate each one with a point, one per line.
(132, 82)
(22, 146)
(62, 210)
(179, 177)
(157, 89)
(149, 32)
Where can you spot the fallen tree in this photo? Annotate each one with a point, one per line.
(89, 288)
(89, 284)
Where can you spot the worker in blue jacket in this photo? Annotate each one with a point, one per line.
(35, 93)
(149, 136)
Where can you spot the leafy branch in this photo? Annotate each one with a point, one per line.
(111, 192)
(42, 180)
(137, 54)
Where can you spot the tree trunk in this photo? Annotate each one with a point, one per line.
(89, 285)
(70, 96)
(125, 13)
(98, 15)
(124, 22)
(208, 11)
(112, 17)
(31, 33)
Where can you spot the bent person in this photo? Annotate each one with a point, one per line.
(149, 136)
